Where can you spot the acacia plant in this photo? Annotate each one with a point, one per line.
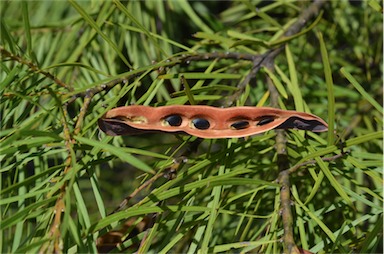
(68, 187)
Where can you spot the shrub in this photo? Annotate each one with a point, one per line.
(64, 183)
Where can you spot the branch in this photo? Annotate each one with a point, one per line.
(33, 67)
(282, 158)
(55, 245)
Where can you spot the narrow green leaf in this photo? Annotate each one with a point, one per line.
(279, 86)
(376, 6)
(136, 211)
(157, 36)
(187, 90)
(81, 207)
(315, 218)
(300, 222)
(151, 92)
(6, 36)
(365, 138)
(171, 244)
(97, 28)
(185, 5)
(339, 188)
(294, 85)
(229, 247)
(285, 39)
(98, 195)
(75, 234)
(246, 39)
(261, 13)
(24, 145)
(23, 214)
(225, 41)
(136, 22)
(124, 156)
(11, 77)
(373, 236)
(6, 201)
(358, 221)
(361, 90)
(211, 88)
(27, 30)
(214, 205)
(329, 82)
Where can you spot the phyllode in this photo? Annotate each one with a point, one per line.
(206, 121)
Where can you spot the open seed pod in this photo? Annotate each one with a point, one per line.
(206, 121)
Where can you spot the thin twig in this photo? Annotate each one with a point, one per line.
(217, 55)
(166, 173)
(103, 87)
(311, 162)
(174, 61)
(169, 173)
(136, 191)
(83, 110)
(33, 67)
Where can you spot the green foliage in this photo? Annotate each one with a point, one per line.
(64, 64)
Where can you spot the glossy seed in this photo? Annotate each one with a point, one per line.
(265, 120)
(173, 120)
(240, 125)
(200, 123)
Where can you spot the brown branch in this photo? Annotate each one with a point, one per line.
(282, 158)
(283, 163)
(286, 214)
(81, 116)
(103, 87)
(56, 243)
(286, 203)
(33, 67)
(217, 55)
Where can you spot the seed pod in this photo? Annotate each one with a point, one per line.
(206, 121)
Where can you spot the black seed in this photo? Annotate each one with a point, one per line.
(240, 125)
(265, 120)
(200, 123)
(173, 120)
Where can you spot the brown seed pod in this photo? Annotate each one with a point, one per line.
(206, 121)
